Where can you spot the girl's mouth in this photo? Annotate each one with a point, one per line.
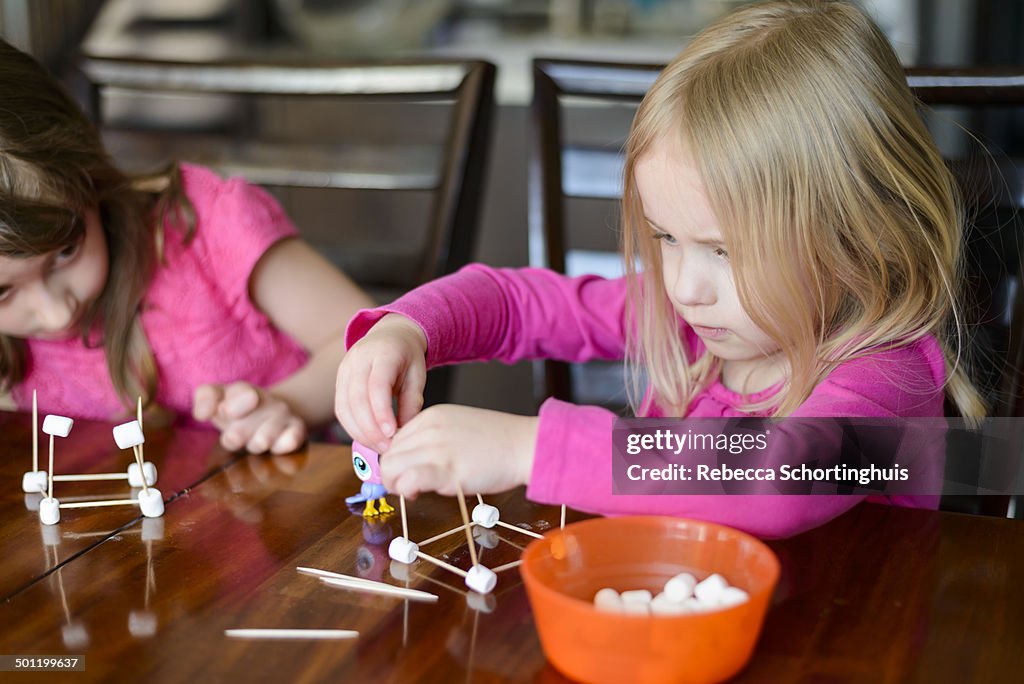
(711, 333)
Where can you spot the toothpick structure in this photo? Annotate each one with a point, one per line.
(141, 473)
(478, 578)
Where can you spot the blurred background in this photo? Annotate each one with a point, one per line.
(508, 33)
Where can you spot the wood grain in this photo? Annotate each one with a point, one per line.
(881, 594)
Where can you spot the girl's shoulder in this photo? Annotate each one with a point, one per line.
(905, 379)
(235, 223)
(229, 210)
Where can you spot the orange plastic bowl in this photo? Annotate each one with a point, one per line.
(563, 571)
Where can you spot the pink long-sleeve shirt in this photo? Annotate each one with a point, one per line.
(481, 313)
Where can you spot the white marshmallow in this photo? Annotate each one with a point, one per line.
(732, 596)
(402, 550)
(135, 479)
(636, 596)
(151, 502)
(709, 590)
(142, 623)
(34, 481)
(663, 605)
(636, 608)
(58, 426)
(697, 606)
(607, 600)
(49, 511)
(680, 587)
(129, 434)
(485, 515)
(481, 579)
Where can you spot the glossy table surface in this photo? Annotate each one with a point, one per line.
(879, 594)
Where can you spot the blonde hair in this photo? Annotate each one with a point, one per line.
(844, 222)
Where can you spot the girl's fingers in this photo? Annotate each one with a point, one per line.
(410, 398)
(266, 432)
(205, 401)
(240, 399)
(363, 426)
(421, 478)
(380, 389)
(291, 438)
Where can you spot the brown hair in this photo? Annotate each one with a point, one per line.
(843, 223)
(53, 168)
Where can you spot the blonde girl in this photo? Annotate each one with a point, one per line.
(798, 237)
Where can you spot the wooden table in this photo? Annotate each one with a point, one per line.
(879, 594)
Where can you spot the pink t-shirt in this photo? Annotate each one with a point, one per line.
(482, 313)
(199, 320)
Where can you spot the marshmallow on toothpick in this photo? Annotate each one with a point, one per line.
(402, 550)
(485, 515)
(128, 435)
(49, 511)
(481, 579)
(57, 426)
(151, 502)
(135, 475)
(33, 481)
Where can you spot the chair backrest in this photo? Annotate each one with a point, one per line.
(992, 184)
(581, 113)
(380, 164)
(579, 160)
(963, 101)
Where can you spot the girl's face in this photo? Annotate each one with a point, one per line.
(44, 297)
(697, 275)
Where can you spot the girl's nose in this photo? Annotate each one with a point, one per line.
(692, 286)
(55, 308)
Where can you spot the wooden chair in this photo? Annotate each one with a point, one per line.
(581, 113)
(380, 164)
(992, 184)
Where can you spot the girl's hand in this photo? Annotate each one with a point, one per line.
(484, 451)
(249, 417)
(390, 360)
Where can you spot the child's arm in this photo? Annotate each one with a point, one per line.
(483, 314)
(479, 313)
(309, 299)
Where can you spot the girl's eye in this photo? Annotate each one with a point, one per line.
(720, 252)
(69, 252)
(666, 238)
(5, 292)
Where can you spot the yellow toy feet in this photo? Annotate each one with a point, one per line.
(384, 506)
(370, 511)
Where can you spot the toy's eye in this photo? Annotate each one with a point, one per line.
(361, 467)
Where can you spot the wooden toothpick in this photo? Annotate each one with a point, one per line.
(49, 474)
(35, 433)
(142, 447)
(292, 633)
(466, 524)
